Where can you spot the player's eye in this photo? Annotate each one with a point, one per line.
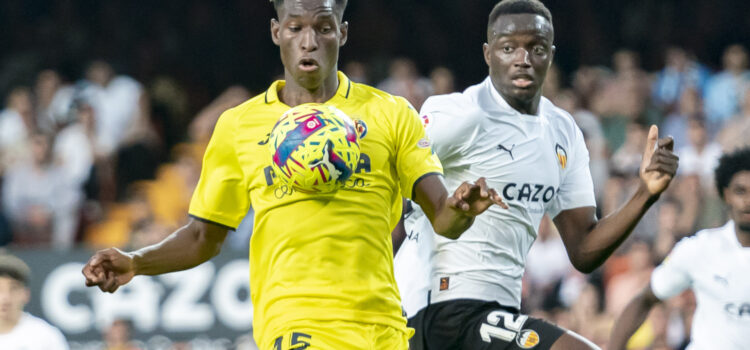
(507, 49)
(326, 30)
(294, 28)
(540, 50)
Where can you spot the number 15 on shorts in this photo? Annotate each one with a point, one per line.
(297, 341)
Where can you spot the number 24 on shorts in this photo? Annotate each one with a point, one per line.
(299, 341)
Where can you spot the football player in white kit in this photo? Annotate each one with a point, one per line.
(466, 293)
(714, 264)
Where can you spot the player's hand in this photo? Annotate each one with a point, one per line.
(109, 269)
(473, 199)
(659, 164)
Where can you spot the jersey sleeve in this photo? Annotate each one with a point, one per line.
(446, 131)
(673, 275)
(414, 155)
(576, 189)
(221, 195)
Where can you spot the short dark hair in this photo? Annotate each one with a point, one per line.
(13, 267)
(512, 7)
(340, 5)
(729, 165)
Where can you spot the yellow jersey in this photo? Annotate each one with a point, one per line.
(317, 256)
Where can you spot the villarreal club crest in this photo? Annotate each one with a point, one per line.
(314, 148)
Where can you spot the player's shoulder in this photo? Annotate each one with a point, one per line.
(366, 94)
(38, 325)
(254, 103)
(453, 103)
(558, 116)
(705, 241)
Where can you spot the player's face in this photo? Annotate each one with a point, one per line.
(737, 196)
(13, 297)
(519, 52)
(309, 34)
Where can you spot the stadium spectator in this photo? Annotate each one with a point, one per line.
(735, 133)
(17, 122)
(202, 126)
(700, 155)
(592, 131)
(118, 336)
(76, 145)
(41, 204)
(356, 71)
(724, 91)
(586, 317)
(19, 329)
(404, 80)
(622, 287)
(442, 81)
(680, 72)
(546, 265)
(52, 99)
(115, 100)
(676, 123)
(552, 83)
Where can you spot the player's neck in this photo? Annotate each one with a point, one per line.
(8, 323)
(293, 94)
(743, 236)
(529, 107)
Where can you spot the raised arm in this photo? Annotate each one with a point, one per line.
(452, 215)
(187, 247)
(590, 242)
(632, 318)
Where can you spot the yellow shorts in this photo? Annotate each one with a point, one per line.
(339, 335)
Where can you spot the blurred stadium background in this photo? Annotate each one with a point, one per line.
(107, 107)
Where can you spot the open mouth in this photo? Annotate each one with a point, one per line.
(522, 81)
(308, 64)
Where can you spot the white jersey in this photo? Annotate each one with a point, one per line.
(33, 333)
(715, 266)
(537, 163)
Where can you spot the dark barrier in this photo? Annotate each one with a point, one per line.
(210, 302)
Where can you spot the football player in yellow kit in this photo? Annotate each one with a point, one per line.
(321, 266)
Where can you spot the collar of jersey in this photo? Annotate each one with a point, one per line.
(496, 104)
(342, 92)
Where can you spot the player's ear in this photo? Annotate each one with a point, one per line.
(552, 54)
(275, 28)
(344, 33)
(486, 50)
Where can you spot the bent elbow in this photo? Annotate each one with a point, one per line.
(583, 266)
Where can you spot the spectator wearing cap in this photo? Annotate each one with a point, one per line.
(19, 329)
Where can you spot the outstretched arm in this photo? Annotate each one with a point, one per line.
(632, 318)
(187, 247)
(452, 215)
(590, 242)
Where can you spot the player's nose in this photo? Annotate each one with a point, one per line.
(522, 58)
(309, 40)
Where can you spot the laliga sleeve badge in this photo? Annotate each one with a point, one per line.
(527, 339)
(423, 143)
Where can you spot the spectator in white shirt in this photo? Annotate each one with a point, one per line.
(19, 329)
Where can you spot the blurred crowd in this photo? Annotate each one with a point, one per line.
(106, 160)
